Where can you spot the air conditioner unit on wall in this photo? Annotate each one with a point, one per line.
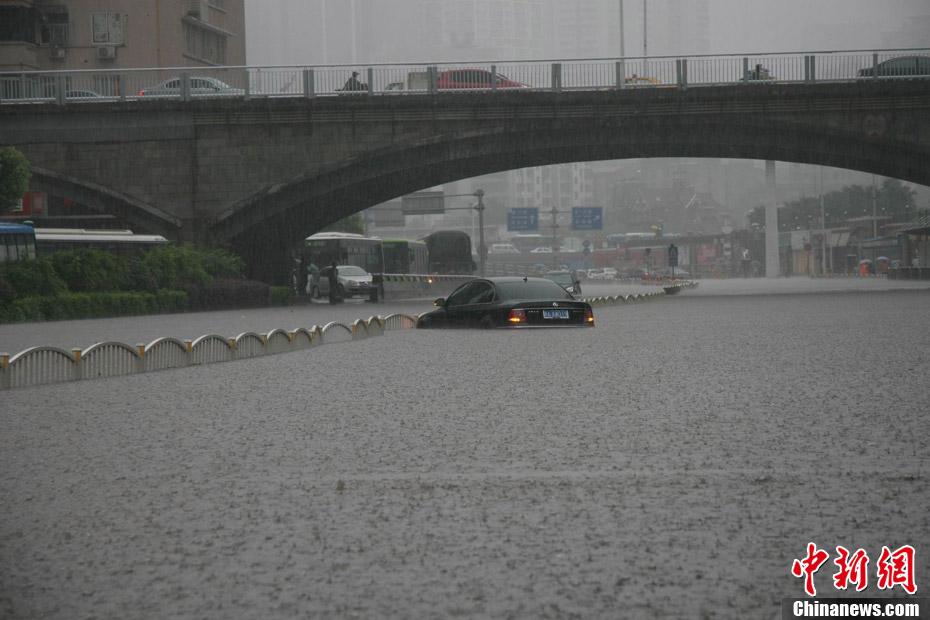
(107, 52)
(57, 53)
(197, 8)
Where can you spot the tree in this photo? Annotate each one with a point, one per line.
(352, 224)
(14, 177)
(893, 199)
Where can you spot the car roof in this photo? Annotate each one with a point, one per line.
(496, 280)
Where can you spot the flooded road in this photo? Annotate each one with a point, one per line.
(673, 461)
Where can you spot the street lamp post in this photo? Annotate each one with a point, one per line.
(823, 230)
(482, 250)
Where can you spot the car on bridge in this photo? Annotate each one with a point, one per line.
(199, 87)
(509, 303)
(641, 80)
(456, 79)
(900, 66)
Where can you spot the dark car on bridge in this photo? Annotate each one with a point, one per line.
(509, 302)
(900, 66)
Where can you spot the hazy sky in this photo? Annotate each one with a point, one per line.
(290, 32)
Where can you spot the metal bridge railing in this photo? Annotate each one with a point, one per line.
(188, 83)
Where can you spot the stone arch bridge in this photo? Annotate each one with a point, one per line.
(262, 173)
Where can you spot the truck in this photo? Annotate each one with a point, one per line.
(416, 81)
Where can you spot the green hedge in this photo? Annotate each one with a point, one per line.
(282, 296)
(29, 278)
(92, 305)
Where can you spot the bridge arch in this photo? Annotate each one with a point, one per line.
(313, 201)
(138, 214)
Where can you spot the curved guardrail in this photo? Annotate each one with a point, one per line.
(45, 365)
(612, 300)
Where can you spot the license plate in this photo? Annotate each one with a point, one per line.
(555, 314)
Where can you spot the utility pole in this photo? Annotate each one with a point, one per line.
(622, 49)
(823, 230)
(645, 31)
(772, 260)
(482, 249)
(555, 247)
(874, 213)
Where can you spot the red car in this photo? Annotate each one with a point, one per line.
(454, 79)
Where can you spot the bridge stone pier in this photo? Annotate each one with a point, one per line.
(262, 173)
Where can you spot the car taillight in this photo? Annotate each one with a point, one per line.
(517, 316)
(589, 316)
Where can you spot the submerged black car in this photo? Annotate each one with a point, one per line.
(509, 302)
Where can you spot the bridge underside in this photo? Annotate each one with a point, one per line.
(263, 174)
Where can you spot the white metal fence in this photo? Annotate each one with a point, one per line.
(43, 365)
(186, 83)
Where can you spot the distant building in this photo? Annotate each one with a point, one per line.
(88, 34)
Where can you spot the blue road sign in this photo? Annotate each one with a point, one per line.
(523, 220)
(587, 218)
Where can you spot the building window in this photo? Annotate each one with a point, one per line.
(55, 30)
(18, 24)
(204, 44)
(107, 28)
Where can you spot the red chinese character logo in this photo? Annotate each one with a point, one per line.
(897, 568)
(852, 570)
(808, 566)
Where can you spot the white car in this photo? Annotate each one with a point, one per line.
(607, 273)
(199, 87)
(541, 250)
(351, 281)
(504, 248)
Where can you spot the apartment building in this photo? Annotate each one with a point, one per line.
(113, 34)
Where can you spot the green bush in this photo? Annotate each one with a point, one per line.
(30, 278)
(282, 296)
(184, 266)
(90, 270)
(220, 263)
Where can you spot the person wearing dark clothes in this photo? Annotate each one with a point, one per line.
(353, 83)
(333, 283)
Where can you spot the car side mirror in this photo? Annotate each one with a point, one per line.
(440, 302)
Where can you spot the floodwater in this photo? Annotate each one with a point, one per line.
(673, 461)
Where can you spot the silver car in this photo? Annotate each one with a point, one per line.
(199, 87)
(351, 281)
